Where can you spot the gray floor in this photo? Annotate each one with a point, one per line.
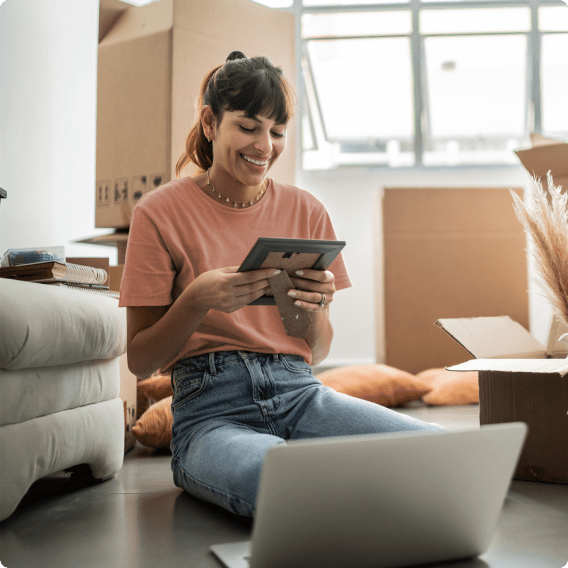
(140, 519)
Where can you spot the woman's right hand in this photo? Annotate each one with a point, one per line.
(228, 290)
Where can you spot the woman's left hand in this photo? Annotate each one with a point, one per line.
(314, 289)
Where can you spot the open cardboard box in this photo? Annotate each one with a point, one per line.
(520, 380)
(546, 155)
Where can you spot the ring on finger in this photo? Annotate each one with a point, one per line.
(322, 302)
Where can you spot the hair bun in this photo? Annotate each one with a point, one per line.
(236, 55)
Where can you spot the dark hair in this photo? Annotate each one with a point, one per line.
(253, 85)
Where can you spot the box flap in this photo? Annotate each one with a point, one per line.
(493, 337)
(543, 158)
(540, 140)
(109, 12)
(139, 21)
(542, 366)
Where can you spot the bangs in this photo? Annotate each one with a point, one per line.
(263, 94)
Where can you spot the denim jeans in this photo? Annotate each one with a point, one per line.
(230, 407)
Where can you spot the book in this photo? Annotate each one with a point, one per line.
(54, 271)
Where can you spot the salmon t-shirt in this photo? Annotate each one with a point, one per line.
(177, 233)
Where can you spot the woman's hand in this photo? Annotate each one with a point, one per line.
(311, 287)
(228, 290)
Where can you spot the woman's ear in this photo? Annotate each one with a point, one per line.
(208, 122)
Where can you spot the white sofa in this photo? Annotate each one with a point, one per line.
(59, 385)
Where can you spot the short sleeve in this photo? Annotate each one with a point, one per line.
(149, 272)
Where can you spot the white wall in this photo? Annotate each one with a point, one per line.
(352, 197)
(48, 83)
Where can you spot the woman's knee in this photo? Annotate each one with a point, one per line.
(222, 465)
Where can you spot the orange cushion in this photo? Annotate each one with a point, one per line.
(154, 427)
(150, 391)
(450, 387)
(377, 383)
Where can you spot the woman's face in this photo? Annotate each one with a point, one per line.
(246, 148)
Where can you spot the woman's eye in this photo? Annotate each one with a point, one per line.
(247, 129)
(279, 134)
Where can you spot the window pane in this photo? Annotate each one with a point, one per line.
(476, 93)
(554, 84)
(364, 87)
(553, 19)
(357, 24)
(476, 20)
(350, 2)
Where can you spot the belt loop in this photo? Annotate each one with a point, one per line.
(276, 356)
(212, 369)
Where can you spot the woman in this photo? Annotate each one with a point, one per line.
(240, 383)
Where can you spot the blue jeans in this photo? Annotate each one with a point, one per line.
(230, 407)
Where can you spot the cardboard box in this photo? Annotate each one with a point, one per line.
(128, 392)
(521, 380)
(115, 277)
(152, 60)
(118, 239)
(546, 155)
(448, 252)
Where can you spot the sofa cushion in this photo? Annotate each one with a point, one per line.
(376, 383)
(44, 325)
(30, 393)
(450, 387)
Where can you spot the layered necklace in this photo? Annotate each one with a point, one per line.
(237, 203)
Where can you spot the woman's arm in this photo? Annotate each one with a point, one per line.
(156, 334)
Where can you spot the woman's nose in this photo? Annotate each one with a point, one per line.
(263, 142)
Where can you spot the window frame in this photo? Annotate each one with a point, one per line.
(418, 64)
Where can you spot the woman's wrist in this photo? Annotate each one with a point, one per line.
(192, 303)
(320, 336)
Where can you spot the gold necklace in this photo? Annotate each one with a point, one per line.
(237, 203)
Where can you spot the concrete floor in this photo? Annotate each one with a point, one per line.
(140, 519)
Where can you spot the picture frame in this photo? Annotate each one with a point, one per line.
(289, 255)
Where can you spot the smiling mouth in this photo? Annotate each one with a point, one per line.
(255, 162)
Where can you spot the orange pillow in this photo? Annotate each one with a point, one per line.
(154, 428)
(150, 391)
(381, 384)
(450, 387)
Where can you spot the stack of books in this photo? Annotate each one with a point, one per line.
(60, 273)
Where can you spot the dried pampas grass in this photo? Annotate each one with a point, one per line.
(545, 219)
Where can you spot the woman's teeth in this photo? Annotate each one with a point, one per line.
(256, 162)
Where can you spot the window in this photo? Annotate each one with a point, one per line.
(429, 83)
(554, 70)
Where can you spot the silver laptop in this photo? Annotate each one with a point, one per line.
(381, 500)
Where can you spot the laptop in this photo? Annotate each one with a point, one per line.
(379, 500)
